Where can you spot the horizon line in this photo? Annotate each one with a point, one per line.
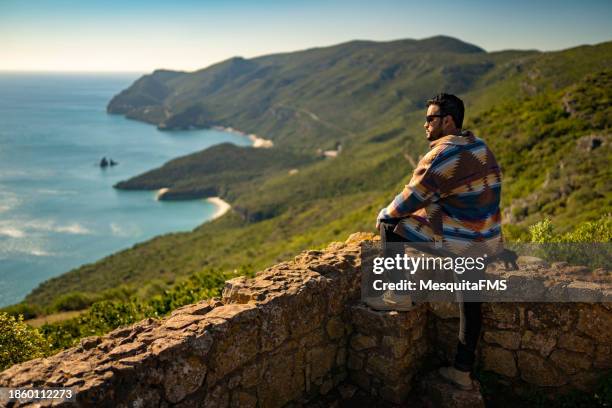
(127, 71)
(41, 71)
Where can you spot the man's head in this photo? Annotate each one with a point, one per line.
(444, 116)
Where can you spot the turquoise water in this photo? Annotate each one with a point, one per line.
(58, 209)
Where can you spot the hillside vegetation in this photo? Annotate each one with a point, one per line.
(311, 98)
(545, 115)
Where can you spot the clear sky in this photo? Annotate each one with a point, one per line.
(111, 35)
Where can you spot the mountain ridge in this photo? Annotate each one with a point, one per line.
(182, 100)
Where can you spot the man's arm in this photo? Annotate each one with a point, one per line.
(418, 193)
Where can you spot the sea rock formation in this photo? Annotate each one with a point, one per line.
(104, 162)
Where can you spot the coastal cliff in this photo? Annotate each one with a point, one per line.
(277, 94)
(297, 333)
(223, 169)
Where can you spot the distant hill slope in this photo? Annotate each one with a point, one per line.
(351, 85)
(220, 170)
(545, 115)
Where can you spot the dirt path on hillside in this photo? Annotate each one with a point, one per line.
(316, 118)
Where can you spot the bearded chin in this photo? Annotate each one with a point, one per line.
(433, 136)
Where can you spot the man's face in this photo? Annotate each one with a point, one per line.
(433, 124)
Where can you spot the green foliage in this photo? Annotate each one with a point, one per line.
(64, 334)
(73, 301)
(196, 287)
(544, 145)
(542, 232)
(104, 316)
(588, 232)
(349, 86)
(592, 231)
(27, 310)
(223, 169)
(19, 342)
(582, 246)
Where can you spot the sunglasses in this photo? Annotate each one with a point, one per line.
(430, 118)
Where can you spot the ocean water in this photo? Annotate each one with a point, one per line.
(58, 209)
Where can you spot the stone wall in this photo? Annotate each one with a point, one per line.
(297, 332)
(559, 346)
(386, 350)
(277, 338)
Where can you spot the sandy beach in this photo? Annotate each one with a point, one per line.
(222, 206)
(160, 193)
(258, 142)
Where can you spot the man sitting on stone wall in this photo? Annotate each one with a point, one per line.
(452, 201)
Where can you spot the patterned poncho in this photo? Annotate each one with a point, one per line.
(452, 199)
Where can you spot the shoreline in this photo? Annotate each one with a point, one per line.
(258, 142)
(222, 207)
(160, 193)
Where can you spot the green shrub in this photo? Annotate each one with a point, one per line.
(599, 230)
(19, 342)
(99, 319)
(588, 232)
(105, 316)
(102, 316)
(122, 292)
(542, 232)
(27, 310)
(199, 286)
(73, 301)
(593, 231)
(588, 244)
(61, 335)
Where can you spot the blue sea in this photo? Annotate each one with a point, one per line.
(58, 209)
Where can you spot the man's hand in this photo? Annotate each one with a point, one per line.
(379, 218)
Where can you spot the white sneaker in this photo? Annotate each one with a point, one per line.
(401, 303)
(460, 379)
(390, 301)
(378, 303)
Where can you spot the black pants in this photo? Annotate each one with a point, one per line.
(470, 314)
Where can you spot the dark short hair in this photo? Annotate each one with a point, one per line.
(449, 105)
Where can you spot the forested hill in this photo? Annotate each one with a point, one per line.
(308, 98)
(546, 115)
